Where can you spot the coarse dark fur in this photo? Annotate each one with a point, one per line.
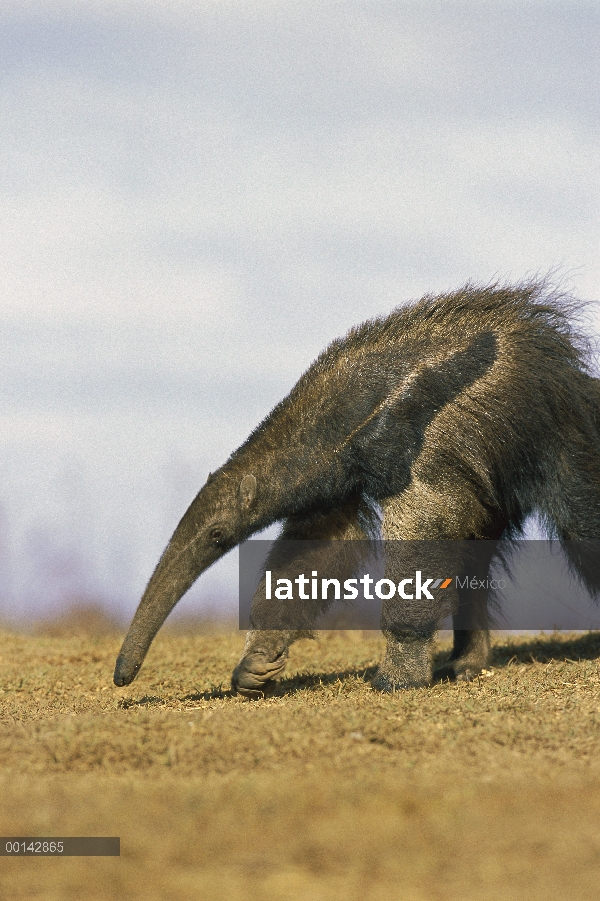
(459, 416)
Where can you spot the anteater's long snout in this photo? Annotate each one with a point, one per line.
(179, 567)
(131, 656)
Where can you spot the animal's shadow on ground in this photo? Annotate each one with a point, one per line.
(538, 649)
(545, 648)
(146, 701)
(290, 685)
(301, 681)
(215, 693)
(529, 650)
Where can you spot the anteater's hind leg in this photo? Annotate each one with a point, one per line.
(471, 651)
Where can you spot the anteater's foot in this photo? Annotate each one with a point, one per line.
(470, 656)
(390, 682)
(406, 663)
(459, 670)
(254, 675)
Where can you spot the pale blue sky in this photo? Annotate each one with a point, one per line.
(197, 197)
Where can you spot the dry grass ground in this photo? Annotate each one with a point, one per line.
(327, 790)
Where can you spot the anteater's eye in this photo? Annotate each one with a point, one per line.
(216, 535)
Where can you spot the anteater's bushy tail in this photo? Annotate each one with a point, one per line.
(570, 501)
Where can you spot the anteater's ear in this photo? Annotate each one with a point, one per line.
(247, 491)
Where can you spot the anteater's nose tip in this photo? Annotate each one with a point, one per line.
(124, 674)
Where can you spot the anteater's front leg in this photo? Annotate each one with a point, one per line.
(433, 516)
(276, 625)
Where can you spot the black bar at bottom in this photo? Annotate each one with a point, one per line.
(82, 846)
